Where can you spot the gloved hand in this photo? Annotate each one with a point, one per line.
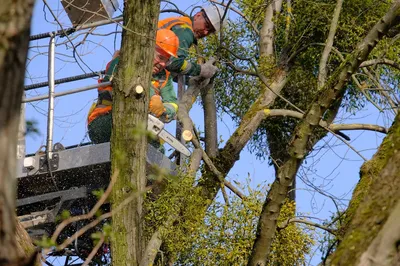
(156, 106)
(208, 70)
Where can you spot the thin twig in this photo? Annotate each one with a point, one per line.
(94, 251)
(240, 14)
(95, 222)
(92, 212)
(66, 35)
(360, 87)
(214, 169)
(383, 92)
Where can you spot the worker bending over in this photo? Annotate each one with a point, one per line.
(163, 101)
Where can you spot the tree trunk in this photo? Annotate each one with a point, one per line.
(25, 248)
(373, 201)
(129, 142)
(14, 38)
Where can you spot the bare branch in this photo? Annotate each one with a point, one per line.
(380, 61)
(67, 36)
(382, 90)
(95, 222)
(283, 112)
(89, 215)
(195, 160)
(151, 250)
(337, 127)
(185, 104)
(296, 220)
(94, 251)
(329, 43)
(332, 127)
(297, 52)
(362, 89)
(224, 195)
(195, 85)
(220, 176)
(240, 70)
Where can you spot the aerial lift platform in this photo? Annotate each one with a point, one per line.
(66, 182)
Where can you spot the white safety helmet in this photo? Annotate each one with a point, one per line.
(214, 14)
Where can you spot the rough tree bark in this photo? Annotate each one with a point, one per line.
(129, 116)
(373, 201)
(15, 18)
(210, 120)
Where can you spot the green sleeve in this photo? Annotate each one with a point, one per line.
(170, 101)
(112, 68)
(180, 64)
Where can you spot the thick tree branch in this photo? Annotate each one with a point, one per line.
(210, 119)
(152, 248)
(329, 44)
(267, 35)
(288, 20)
(337, 127)
(186, 103)
(384, 61)
(332, 127)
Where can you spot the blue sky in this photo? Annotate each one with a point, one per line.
(334, 168)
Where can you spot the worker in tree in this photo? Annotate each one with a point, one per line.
(163, 101)
(189, 29)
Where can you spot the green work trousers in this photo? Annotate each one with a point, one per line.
(100, 131)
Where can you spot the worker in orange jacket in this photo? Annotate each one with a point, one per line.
(163, 101)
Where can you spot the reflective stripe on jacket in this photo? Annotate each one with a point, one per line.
(155, 84)
(168, 23)
(104, 101)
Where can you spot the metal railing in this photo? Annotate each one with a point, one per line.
(51, 82)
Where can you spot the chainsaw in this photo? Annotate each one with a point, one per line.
(156, 126)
